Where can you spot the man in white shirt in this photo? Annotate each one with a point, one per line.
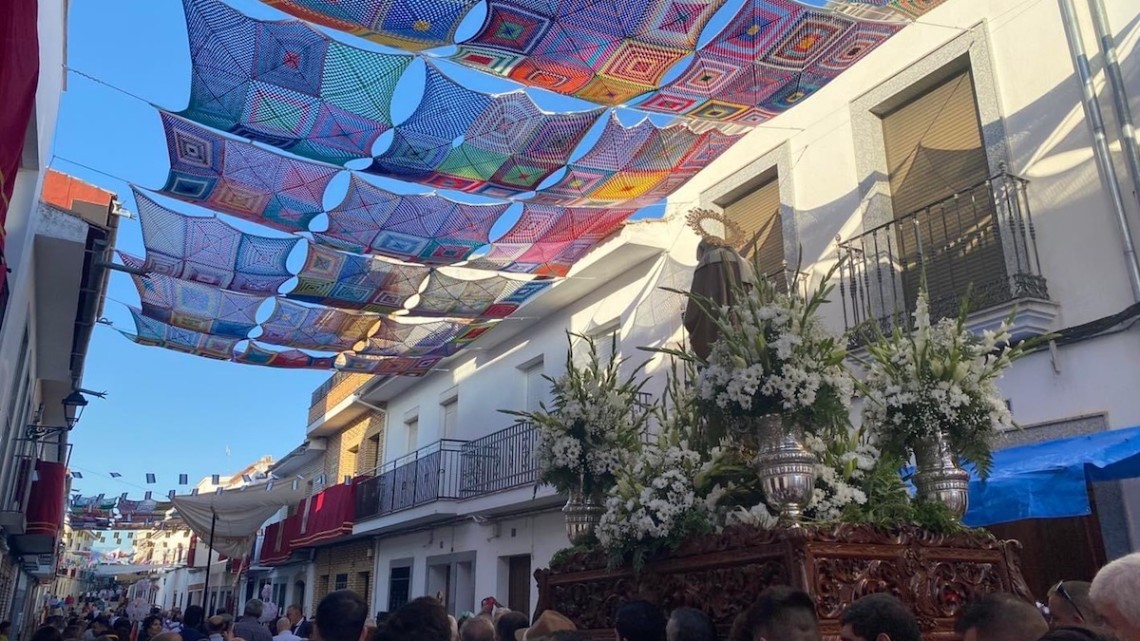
(284, 631)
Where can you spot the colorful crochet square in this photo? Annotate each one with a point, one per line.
(408, 338)
(206, 250)
(407, 24)
(197, 307)
(627, 164)
(744, 73)
(155, 333)
(255, 354)
(323, 329)
(286, 84)
(482, 297)
(547, 241)
(241, 179)
(412, 228)
(387, 366)
(605, 51)
(349, 281)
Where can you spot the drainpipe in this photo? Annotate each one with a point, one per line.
(1100, 140)
(1119, 93)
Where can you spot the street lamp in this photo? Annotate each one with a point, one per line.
(73, 405)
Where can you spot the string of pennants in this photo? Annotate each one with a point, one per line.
(395, 282)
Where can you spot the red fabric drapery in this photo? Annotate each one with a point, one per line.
(19, 75)
(331, 514)
(277, 547)
(47, 498)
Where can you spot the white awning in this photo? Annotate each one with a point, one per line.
(239, 513)
(118, 570)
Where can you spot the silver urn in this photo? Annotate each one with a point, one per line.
(938, 477)
(786, 467)
(582, 513)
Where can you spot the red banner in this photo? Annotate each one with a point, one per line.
(331, 514)
(19, 75)
(47, 498)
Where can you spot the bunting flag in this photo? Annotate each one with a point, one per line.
(183, 479)
(286, 84)
(205, 249)
(148, 496)
(215, 479)
(150, 478)
(115, 475)
(421, 228)
(604, 51)
(407, 24)
(171, 494)
(241, 179)
(77, 475)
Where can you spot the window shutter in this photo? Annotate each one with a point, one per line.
(758, 214)
(536, 386)
(935, 152)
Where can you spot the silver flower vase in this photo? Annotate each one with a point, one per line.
(938, 477)
(582, 515)
(785, 466)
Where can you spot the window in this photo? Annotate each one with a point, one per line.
(413, 432)
(449, 417)
(364, 579)
(757, 212)
(536, 387)
(341, 582)
(607, 340)
(375, 451)
(399, 587)
(944, 211)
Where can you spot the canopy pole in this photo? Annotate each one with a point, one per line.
(209, 561)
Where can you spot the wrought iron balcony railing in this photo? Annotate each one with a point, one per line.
(979, 242)
(425, 476)
(501, 461)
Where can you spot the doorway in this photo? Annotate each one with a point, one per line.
(451, 578)
(518, 583)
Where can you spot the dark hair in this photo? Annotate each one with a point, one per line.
(1077, 633)
(47, 633)
(193, 616)
(143, 634)
(477, 628)
(640, 621)
(563, 635)
(4, 625)
(779, 614)
(1001, 617)
(216, 624)
(72, 631)
(422, 619)
(101, 620)
(341, 616)
(382, 616)
(691, 624)
(509, 623)
(881, 613)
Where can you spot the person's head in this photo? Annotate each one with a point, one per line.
(283, 625)
(1069, 604)
(639, 621)
(340, 617)
(167, 636)
(477, 628)
(254, 608)
(216, 625)
(47, 633)
(509, 623)
(122, 628)
(72, 632)
(1115, 592)
(1000, 617)
(294, 614)
(878, 617)
(152, 625)
(689, 624)
(100, 625)
(194, 616)
(422, 619)
(779, 614)
(547, 623)
(565, 635)
(1076, 633)
(5, 626)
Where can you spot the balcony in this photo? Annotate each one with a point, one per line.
(501, 461)
(327, 398)
(980, 242)
(425, 476)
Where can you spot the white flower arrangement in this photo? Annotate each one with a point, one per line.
(939, 379)
(843, 467)
(772, 355)
(593, 426)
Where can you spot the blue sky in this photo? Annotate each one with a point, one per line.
(165, 412)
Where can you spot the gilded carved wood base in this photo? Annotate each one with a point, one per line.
(722, 574)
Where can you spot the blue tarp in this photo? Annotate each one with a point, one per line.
(1049, 480)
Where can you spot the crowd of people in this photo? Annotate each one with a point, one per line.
(1107, 609)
